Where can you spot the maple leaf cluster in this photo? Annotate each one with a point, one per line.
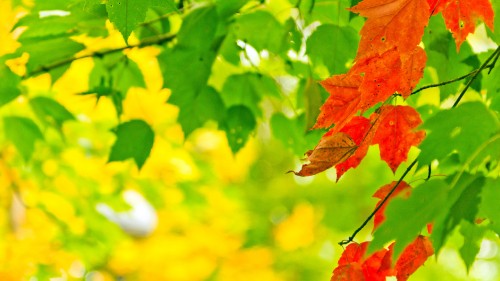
(389, 62)
(355, 266)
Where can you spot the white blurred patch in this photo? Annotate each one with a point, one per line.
(479, 40)
(484, 270)
(77, 269)
(249, 57)
(488, 250)
(140, 221)
(63, 277)
(51, 13)
(327, 251)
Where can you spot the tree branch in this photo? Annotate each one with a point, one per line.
(351, 238)
(153, 41)
(472, 73)
(484, 66)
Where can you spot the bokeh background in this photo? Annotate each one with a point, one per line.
(194, 212)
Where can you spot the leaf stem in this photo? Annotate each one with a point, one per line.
(483, 66)
(153, 41)
(351, 238)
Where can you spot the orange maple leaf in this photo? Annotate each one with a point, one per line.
(343, 102)
(395, 134)
(460, 16)
(353, 265)
(391, 23)
(351, 271)
(354, 252)
(412, 64)
(382, 77)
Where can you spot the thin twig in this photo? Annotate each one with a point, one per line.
(484, 66)
(179, 10)
(492, 65)
(351, 238)
(445, 82)
(46, 68)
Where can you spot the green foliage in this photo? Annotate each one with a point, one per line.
(330, 45)
(246, 25)
(9, 85)
(472, 241)
(134, 139)
(468, 126)
(462, 204)
(23, 133)
(249, 68)
(126, 15)
(208, 105)
(238, 123)
(290, 132)
(489, 204)
(326, 11)
(45, 52)
(248, 89)
(50, 111)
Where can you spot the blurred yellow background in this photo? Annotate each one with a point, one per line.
(194, 212)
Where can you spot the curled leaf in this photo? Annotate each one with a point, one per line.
(331, 150)
(359, 130)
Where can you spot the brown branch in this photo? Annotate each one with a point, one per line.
(351, 238)
(484, 66)
(153, 41)
(472, 73)
(445, 82)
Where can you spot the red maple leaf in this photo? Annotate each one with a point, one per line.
(353, 265)
(395, 134)
(391, 23)
(357, 129)
(460, 16)
(351, 271)
(378, 266)
(343, 102)
(354, 252)
(413, 256)
(403, 190)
